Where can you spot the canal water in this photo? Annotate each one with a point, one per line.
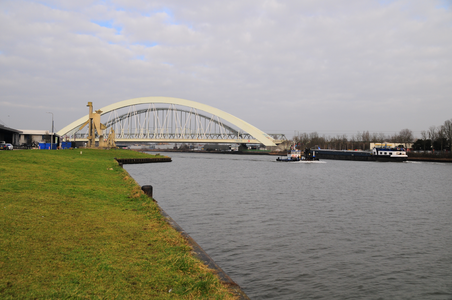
(329, 230)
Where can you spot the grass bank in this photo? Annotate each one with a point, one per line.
(76, 225)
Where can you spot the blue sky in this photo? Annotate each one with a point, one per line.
(283, 66)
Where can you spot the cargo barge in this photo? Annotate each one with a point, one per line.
(382, 154)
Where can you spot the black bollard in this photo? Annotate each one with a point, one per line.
(147, 189)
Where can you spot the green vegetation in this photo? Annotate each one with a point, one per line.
(74, 225)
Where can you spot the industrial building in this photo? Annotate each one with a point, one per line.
(9, 135)
(27, 138)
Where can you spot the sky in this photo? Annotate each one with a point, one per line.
(334, 67)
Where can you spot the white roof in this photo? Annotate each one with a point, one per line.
(35, 132)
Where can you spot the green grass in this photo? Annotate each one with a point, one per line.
(76, 226)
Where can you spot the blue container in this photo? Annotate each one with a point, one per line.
(46, 146)
(65, 145)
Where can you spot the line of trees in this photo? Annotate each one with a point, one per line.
(436, 138)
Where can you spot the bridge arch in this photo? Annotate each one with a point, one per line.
(143, 111)
(258, 135)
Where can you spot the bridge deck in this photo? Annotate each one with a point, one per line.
(202, 141)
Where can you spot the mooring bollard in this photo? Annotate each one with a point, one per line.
(147, 189)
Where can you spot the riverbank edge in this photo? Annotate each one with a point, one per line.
(430, 159)
(200, 254)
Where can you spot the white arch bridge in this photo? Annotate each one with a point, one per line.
(172, 120)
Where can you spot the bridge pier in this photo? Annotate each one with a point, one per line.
(243, 147)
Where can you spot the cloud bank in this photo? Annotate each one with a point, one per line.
(283, 66)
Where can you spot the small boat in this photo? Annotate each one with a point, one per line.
(296, 155)
(292, 155)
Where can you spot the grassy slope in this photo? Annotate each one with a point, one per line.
(76, 226)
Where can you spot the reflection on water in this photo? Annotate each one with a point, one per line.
(336, 230)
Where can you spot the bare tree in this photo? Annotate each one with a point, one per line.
(357, 139)
(440, 136)
(365, 137)
(406, 136)
(336, 141)
(302, 140)
(432, 133)
(424, 137)
(374, 137)
(341, 139)
(344, 141)
(395, 138)
(314, 139)
(448, 132)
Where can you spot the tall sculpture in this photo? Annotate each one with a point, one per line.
(94, 125)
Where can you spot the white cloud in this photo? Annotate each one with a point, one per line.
(292, 65)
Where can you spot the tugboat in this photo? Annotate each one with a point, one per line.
(293, 155)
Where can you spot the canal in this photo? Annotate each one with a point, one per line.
(329, 230)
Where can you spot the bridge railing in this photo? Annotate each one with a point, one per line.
(173, 136)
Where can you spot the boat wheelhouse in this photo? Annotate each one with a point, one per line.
(292, 155)
(389, 154)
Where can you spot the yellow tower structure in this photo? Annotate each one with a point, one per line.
(94, 125)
